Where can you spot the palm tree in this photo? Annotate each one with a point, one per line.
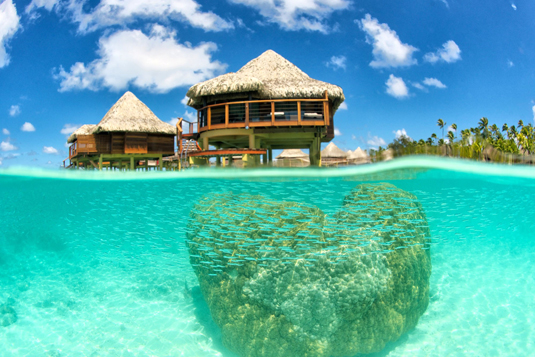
(451, 137)
(454, 127)
(505, 128)
(520, 124)
(441, 123)
(483, 126)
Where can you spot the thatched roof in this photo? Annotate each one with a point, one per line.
(269, 76)
(293, 154)
(333, 151)
(357, 154)
(130, 114)
(87, 129)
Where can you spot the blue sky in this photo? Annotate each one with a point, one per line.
(402, 64)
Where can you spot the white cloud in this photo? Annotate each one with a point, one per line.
(122, 12)
(396, 87)
(449, 53)
(27, 127)
(7, 146)
(419, 86)
(343, 106)
(184, 100)
(50, 150)
(337, 62)
(401, 133)
(510, 63)
(433, 82)
(9, 24)
(353, 137)
(451, 129)
(513, 6)
(5, 131)
(68, 129)
(445, 2)
(388, 50)
(337, 132)
(376, 141)
(296, 15)
(189, 116)
(36, 4)
(157, 63)
(14, 110)
(533, 109)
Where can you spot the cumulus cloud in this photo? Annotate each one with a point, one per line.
(396, 87)
(433, 82)
(343, 106)
(27, 127)
(50, 150)
(7, 146)
(337, 132)
(513, 6)
(533, 109)
(388, 50)
(9, 24)
(122, 12)
(401, 133)
(155, 62)
(5, 131)
(293, 15)
(14, 110)
(337, 62)
(184, 100)
(68, 129)
(376, 141)
(449, 53)
(510, 63)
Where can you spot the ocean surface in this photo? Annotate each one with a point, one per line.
(95, 264)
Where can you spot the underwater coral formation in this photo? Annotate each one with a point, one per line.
(282, 278)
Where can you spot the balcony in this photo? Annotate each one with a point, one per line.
(264, 113)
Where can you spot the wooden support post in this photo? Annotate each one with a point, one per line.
(264, 159)
(315, 152)
(205, 143)
(132, 163)
(246, 115)
(160, 161)
(218, 160)
(252, 141)
(270, 154)
(100, 162)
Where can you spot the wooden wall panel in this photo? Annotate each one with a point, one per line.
(87, 144)
(161, 144)
(104, 143)
(117, 143)
(135, 143)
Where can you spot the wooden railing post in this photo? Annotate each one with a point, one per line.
(226, 116)
(272, 113)
(209, 117)
(246, 115)
(298, 113)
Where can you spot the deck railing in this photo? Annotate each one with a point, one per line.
(264, 113)
(73, 150)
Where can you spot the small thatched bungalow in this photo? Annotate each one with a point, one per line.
(268, 104)
(332, 155)
(292, 158)
(358, 157)
(129, 133)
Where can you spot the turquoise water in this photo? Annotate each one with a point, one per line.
(96, 264)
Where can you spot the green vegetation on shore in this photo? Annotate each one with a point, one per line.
(485, 142)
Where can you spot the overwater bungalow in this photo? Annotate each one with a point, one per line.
(268, 104)
(292, 158)
(358, 156)
(129, 136)
(332, 155)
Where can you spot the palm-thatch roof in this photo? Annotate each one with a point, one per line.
(358, 156)
(269, 76)
(130, 114)
(87, 129)
(293, 154)
(333, 151)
